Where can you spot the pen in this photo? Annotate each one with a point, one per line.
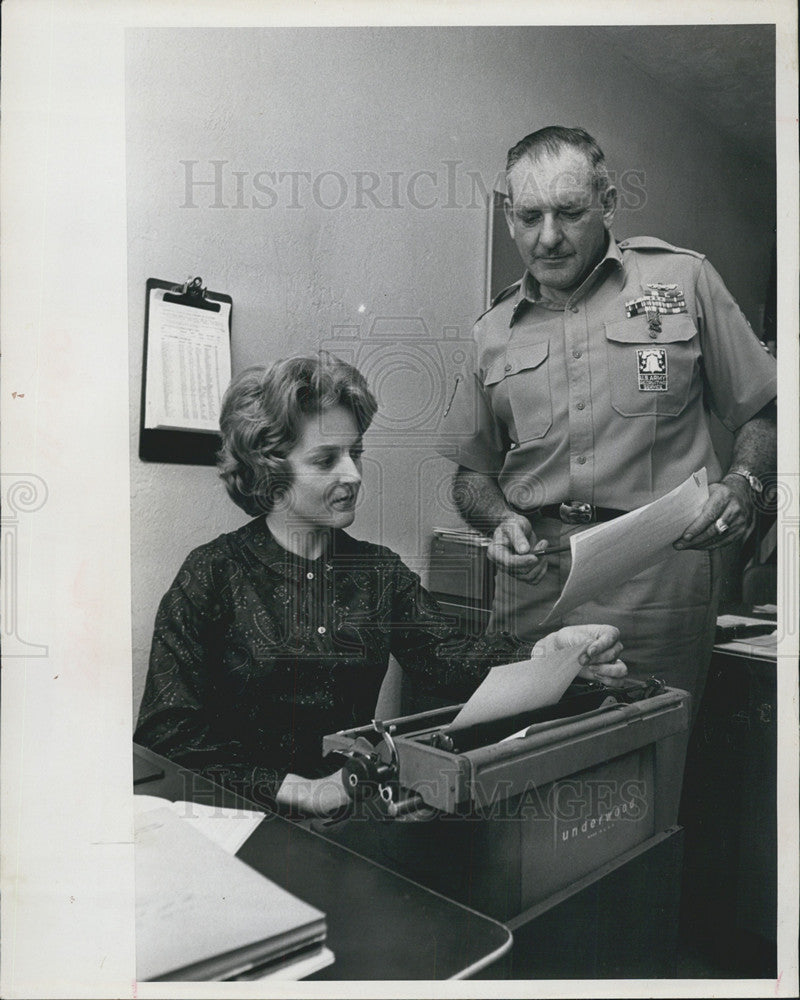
(554, 550)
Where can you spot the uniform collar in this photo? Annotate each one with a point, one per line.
(530, 294)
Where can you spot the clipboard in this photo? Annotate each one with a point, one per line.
(185, 371)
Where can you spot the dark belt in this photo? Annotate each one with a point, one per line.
(577, 512)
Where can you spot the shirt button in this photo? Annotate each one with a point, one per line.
(573, 309)
(309, 576)
(581, 405)
(508, 368)
(653, 335)
(581, 460)
(577, 354)
(322, 630)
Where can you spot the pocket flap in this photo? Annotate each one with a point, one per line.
(517, 359)
(635, 330)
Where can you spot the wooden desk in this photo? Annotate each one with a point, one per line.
(380, 925)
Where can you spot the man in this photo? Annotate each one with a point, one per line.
(592, 383)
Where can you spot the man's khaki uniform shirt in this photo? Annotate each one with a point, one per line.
(582, 401)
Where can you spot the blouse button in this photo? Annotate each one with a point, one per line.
(309, 576)
(321, 630)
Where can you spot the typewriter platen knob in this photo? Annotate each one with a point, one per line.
(358, 770)
(364, 771)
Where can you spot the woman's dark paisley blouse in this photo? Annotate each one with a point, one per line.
(257, 653)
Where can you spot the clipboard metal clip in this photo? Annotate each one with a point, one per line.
(191, 293)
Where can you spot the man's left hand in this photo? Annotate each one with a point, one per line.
(725, 516)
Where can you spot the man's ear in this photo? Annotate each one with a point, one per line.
(609, 202)
(509, 210)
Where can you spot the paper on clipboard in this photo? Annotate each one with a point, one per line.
(513, 688)
(606, 555)
(188, 365)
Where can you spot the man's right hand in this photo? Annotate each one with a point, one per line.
(513, 549)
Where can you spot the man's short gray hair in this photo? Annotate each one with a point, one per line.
(554, 139)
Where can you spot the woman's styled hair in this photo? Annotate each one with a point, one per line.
(261, 421)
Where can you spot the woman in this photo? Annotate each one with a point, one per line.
(281, 631)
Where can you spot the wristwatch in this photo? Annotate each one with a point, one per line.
(753, 481)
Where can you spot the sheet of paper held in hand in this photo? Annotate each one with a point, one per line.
(520, 687)
(607, 555)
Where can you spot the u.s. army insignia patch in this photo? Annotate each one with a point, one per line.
(651, 363)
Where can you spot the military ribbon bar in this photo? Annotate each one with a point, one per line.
(659, 298)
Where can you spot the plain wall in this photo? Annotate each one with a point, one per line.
(391, 286)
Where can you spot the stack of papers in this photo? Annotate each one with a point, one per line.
(228, 828)
(204, 915)
(765, 645)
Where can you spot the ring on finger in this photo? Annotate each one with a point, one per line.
(721, 526)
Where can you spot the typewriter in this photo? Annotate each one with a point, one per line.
(502, 814)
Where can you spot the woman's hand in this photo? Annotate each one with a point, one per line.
(598, 657)
(313, 796)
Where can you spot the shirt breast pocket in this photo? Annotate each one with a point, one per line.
(652, 375)
(523, 374)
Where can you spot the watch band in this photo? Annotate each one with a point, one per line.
(752, 480)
